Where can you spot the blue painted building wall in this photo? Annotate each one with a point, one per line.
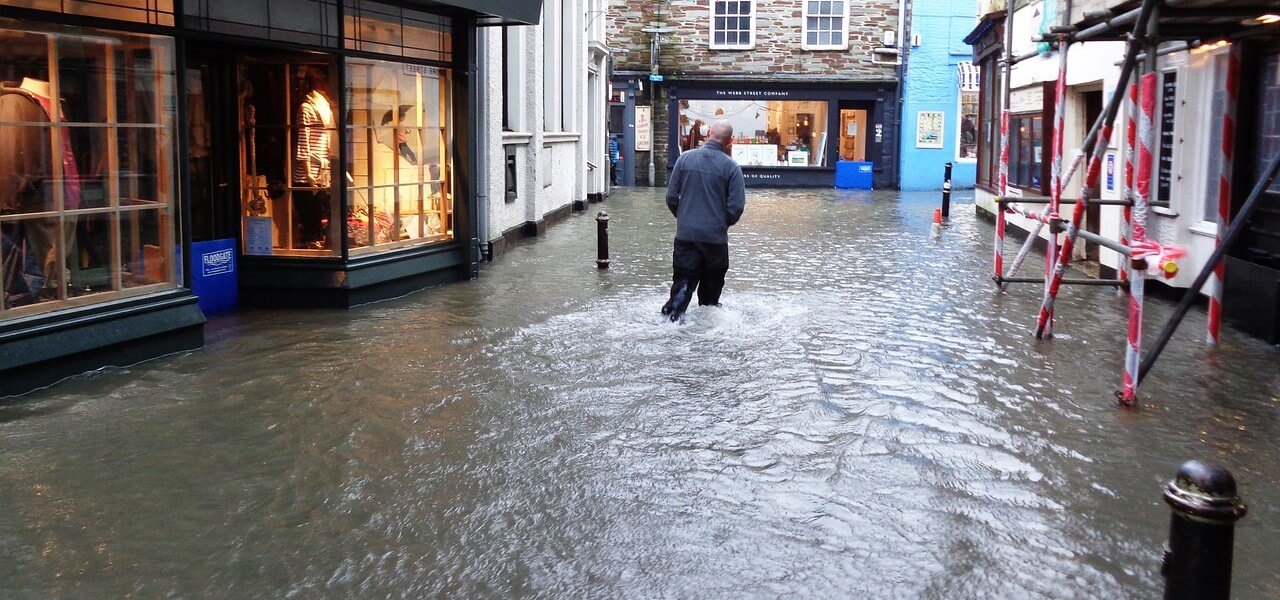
(931, 83)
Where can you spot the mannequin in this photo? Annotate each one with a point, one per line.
(28, 156)
(311, 161)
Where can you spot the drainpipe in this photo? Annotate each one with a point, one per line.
(482, 132)
(902, 93)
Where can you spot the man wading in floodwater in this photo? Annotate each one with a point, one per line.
(707, 195)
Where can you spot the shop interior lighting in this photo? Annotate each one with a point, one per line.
(1210, 46)
(1267, 19)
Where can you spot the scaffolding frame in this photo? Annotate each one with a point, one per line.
(1141, 30)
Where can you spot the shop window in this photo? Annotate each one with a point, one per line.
(151, 12)
(552, 67)
(778, 133)
(512, 177)
(988, 150)
(967, 149)
(1213, 146)
(733, 24)
(313, 22)
(399, 171)
(1164, 151)
(288, 143)
(969, 79)
(1268, 137)
(87, 147)
(1026, 143)
(826, 25)
(385, 29)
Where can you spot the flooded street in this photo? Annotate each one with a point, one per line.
(864, 417)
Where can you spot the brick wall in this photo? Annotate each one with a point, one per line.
(777, 49)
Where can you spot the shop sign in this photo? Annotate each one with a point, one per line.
(1027, 99)
(644, 128)
(220, 262)
(257, 235)
(929, 128)
(1168, 106)
(1111, 173)
(421, 70)
(754, 93)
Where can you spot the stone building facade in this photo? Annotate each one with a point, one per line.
(789, 73)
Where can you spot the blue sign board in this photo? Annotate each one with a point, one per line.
(213, 275)
(656, 77)
(1111, 172)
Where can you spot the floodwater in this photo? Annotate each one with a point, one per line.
(864, 417)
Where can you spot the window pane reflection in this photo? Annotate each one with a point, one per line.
(777, 133)
(86, 132)
(399, 165)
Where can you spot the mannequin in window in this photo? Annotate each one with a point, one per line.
(312, 158)
(26, 179)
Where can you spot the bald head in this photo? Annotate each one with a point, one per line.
(721, 132)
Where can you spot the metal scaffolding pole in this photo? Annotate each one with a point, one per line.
(1147, 141)
(1101, 130)
(1225, 170)
(1055, 187)
(1006, 94)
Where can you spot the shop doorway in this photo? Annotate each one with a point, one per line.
(1093, 213)
(211, 154)
(853, 134)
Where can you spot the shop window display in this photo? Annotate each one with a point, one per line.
(791, 133)
(399, 180)
(288, 113)
(87, 185)
(151, 12)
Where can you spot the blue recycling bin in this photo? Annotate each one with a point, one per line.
(854, 174)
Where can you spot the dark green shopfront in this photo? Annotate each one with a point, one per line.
(324, 148)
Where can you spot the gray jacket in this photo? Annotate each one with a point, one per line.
(706, 193)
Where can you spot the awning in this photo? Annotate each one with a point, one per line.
(969, 76)
(494, 12)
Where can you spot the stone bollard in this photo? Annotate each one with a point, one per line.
(602, 240)
(946, 191)
(1197, 560)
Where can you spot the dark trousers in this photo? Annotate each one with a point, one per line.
(700, 267)
(311, 212)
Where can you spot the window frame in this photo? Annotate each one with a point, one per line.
(989, 111)
(123, 208)
(1212, 94)
(751, 30)
(804, 27)
(977, 102)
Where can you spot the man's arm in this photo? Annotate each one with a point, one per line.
(675, 187)
(737, 195)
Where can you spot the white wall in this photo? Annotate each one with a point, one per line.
(550, 124)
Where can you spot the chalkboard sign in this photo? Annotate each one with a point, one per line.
(1168, 108)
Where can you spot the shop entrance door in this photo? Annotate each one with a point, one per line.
(853, 134)
(211, 155)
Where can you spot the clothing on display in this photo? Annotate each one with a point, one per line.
(31, 257)
(311, 156)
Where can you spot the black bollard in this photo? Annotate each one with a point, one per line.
(602, 240)
(1197, 561)
(946, 191)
